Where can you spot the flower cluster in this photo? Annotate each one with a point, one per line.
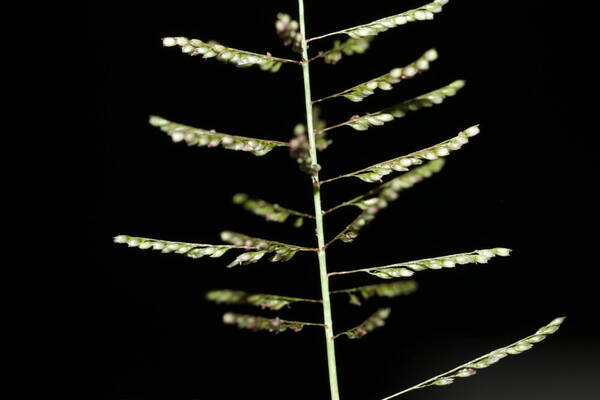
(240, 58)
(269, 211)
(390, 290)
(193, 250)
(400, 110)
(422, 13)
(385, 194)
(470, 368)
(406, 269)
(348, 47)
(209, 138)
(396, 75)
(300, 147)
(400, 164)
(288, 30)
(283, 252)
(389, 191)
(256, 323)
(269, 301)
(377, 320)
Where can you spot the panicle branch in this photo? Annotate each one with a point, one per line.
(209, 138)
(256, 323)
(381, 198)
(389, 190)
(406, 269)
(422, 13)
(375, 172)
(283, 252)
(470, 368)
(348, 47)
(400, 110)
(271, 212)
(239, 58)
(193, 250)
(391, 289)
(270, 301)
(386, 82)
(375, 321)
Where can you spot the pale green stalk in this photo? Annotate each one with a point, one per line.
(329, 337)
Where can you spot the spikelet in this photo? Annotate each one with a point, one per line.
(256, 323)
(400, 110)
(392, 289)
(209, 138)
(406, 269)
(387, 81)
(288, 30)
(240, 58)
(375, 321)
(249, 257)
(470, 368)
(193, 250)
(422, 13)
(375, 172)
(270, 301)
(348, 47)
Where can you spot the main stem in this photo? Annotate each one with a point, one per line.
(329, 340)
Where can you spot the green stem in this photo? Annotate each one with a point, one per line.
(333, 384)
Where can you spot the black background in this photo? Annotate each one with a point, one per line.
(515, 185)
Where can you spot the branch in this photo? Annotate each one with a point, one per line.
(470, 368)
(192, 250)
(377, 320)
(386, 82)
(386, 193)
(256, 323)
(390, 290)
(408, 268)
(422, 13)
(240, 58)
(349, 47)
(270, 301)
(400, 110)
(209, 138)
(375, 172)
(283, 252)
(271, 212)
(389, 190)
